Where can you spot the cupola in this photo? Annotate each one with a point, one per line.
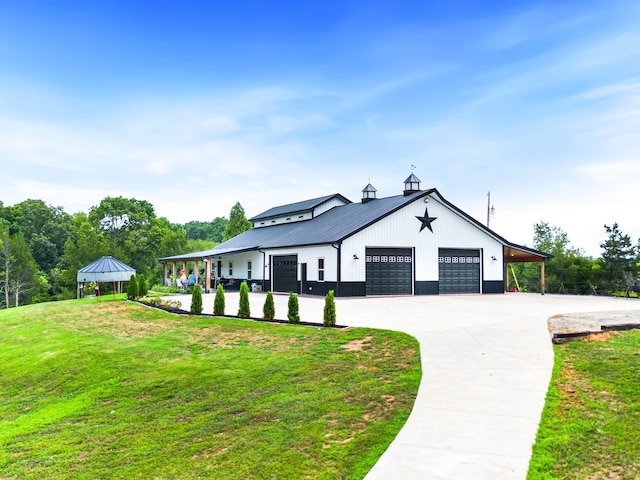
(411, 185)
(368, 193)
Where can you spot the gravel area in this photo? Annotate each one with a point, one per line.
(592, 321)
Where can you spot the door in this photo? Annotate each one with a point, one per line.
(389, 271)
(459, 271)
(285, 273)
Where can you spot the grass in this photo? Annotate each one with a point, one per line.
(590, 423)
(111, 389)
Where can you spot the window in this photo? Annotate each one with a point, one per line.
(231, 269)
(248, 270)
(321, 269)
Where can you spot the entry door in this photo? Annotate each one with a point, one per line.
(389, 271)
(459, 271)
(285, 273)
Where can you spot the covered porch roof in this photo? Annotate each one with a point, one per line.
(518, 254)
(203, 255)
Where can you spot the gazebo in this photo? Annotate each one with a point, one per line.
(105, 269)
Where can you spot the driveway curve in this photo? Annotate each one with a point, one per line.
(486, 366)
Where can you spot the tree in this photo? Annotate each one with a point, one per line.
(127, 224)
(196, 300)
(84, 245)
(293, 312)
(568, 271)
(618, 260)
(269, 309)
(212, 231)
(244, 310)
(218, 301)
(45, 229)
(18, 269)
(329, 317)
(238, 223)
(132, 288)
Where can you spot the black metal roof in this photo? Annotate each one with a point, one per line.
(330, 227)
(298, 207)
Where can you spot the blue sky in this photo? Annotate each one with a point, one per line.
(195, 105)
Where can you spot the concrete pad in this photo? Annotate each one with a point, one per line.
(486, 362)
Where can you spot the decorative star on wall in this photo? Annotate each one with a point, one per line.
(426, 220)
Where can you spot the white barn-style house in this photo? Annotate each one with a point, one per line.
(414, 243)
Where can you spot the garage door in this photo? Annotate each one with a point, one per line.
(285, 273)
(459, 271)
(389, 271)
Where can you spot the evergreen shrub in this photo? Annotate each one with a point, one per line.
(196, 300)
(143, 287)
(244, 311)
(132, 288)
(269, 309)
(218, 301)
(293, 313)
(329, 317)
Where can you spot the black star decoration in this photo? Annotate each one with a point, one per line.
(426, 220)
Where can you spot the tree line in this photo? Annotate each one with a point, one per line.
(570, 271)
(42, 247)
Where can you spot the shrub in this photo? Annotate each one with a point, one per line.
(196, 300)
(329, 318)
(293, 313)
(132, 288)
(269, 309)
(218, 301)
(244, 311)
(143, 288)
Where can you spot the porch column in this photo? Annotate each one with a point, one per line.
(207, 275)
(506, 276)
(542, 277)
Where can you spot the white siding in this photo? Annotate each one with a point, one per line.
(326, 206)
(402, 229)
(296, 217)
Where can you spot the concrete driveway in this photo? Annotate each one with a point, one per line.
(486, 362)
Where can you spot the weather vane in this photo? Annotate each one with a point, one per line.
(412, 167)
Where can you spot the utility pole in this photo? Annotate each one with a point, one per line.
(490, 208)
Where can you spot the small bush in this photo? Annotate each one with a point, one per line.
(293, 313)
(269, 309)
(244, 311)
(143, 287)
(156, 301)
(132, 288)
(218, 301)
(196, 300)
(329, 317)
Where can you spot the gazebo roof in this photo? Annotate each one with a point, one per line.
(105, 269)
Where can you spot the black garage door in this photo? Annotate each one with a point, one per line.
(389, 271)
(285, 273)
(459, 271)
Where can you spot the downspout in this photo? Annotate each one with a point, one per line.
(264, 266)
(339, 265)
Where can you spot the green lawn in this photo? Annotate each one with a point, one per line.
(110, 389)
(590, 426)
